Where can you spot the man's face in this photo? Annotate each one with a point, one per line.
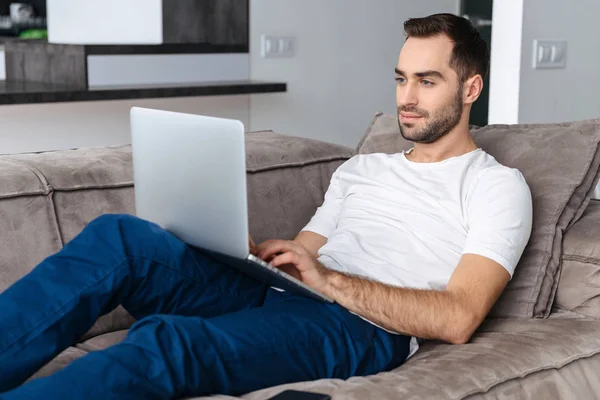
(428, 94)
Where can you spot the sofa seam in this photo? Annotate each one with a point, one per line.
(45, 152)
(580, 258)
(525, 374)
(22, 194)
(93, 187)
(44, 184)
(296, 164)
(58, 231)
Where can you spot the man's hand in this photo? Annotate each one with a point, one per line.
(295, 260)
(251, 243)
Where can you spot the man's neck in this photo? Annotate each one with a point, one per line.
(454, 144)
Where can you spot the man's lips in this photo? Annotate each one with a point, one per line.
(408, 117)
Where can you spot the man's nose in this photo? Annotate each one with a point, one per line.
(409, 95)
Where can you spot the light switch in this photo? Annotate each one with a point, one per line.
(549, 54)
(277, 46)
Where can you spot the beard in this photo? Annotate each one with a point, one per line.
(438, 125)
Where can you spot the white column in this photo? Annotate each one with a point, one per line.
(505, 69)
(2, 65)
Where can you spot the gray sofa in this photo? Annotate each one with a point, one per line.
(542, 340)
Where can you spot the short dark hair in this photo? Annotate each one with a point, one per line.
(470, 55)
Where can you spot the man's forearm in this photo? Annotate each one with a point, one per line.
(422, 313)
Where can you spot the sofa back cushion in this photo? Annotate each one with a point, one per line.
(85, 183)
(287, 180)
(579, 285)
(28, 224)
(46, 199)
(560, 163)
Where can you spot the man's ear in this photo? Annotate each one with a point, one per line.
(472, 89)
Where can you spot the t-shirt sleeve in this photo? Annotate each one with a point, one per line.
(499, 213)
(326, 217)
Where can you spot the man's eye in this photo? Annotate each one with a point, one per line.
(400, 79)
(427, 83)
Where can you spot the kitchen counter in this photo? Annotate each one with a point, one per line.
(35, 93)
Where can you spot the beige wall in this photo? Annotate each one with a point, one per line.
(27, 128)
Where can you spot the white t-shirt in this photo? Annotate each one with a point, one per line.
(407, 224)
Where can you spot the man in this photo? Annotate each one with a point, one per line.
(416, 244)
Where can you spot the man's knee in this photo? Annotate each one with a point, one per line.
(154, 327)
(123, 221)
(126, 229)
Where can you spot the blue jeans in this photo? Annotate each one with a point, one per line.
(202, 327)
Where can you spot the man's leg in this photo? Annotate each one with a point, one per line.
(116, 259)
(289, 339)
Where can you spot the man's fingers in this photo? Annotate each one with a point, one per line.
(271, 247)
(285, 258)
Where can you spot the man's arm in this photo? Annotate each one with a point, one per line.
(451, 315)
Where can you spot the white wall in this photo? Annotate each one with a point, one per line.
(343, 70)
(573, 93)
(519, 93)
(105, 22)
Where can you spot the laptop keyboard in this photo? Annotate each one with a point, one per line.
(260, 261)
(290, 278)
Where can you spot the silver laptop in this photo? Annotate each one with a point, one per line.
(190, 178)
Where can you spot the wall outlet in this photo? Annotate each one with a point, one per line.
(549, 54)
(277, 46)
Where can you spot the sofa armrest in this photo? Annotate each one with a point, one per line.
(287, 180)
(582, 240)
(579, 285)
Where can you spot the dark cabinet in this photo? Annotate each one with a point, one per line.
(218, 22)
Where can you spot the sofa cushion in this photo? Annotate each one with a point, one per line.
(579, 284)
(560, 163)
(287, 180)
(103, 341)
(502, 354)
(62, 360)
(28, 226)
(576, 380)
